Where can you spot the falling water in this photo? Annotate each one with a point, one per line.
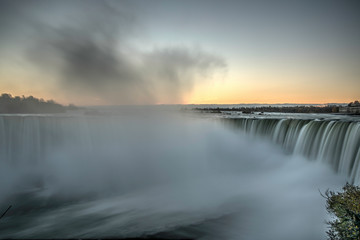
(332, 141)
(166, 174)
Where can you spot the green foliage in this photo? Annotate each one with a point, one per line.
(9, 104)
(346, 208)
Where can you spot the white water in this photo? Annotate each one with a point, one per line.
(335, 142)
(140, 173)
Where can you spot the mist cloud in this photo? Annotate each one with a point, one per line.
(88, 46)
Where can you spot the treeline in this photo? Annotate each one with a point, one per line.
(346, 209)
(295, 109)
(10, 104)
(354, 104)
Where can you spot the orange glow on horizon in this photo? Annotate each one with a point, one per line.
(235, 89)
(232, 97)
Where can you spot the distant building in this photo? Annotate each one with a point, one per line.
(351, 108)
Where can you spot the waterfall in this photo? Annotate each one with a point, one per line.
(32, 139)
(28, 139)
(140, 173)
(332, 141)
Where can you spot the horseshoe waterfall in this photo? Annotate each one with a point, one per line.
(333, 142)
(156, 172)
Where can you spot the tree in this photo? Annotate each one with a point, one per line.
(9, 104)
(346, 208)
(6, 96)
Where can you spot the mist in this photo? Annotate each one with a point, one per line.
(92, 52)
(141, 167)
(153, 171)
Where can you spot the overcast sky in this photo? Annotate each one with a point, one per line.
(155, 52)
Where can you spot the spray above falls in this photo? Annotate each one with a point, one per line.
(331, 141)
(141, 172)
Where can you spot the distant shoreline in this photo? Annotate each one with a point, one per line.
(272, 109)
(30, 105)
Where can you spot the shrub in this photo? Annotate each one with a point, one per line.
(346, 208)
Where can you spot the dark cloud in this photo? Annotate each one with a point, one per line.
(14, 21)
(87, 44)
(178, 68)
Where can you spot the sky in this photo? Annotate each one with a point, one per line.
(181, 51)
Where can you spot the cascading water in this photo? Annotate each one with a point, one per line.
(332, 141)
(166, 174)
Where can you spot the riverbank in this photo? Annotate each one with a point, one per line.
(282, 109)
